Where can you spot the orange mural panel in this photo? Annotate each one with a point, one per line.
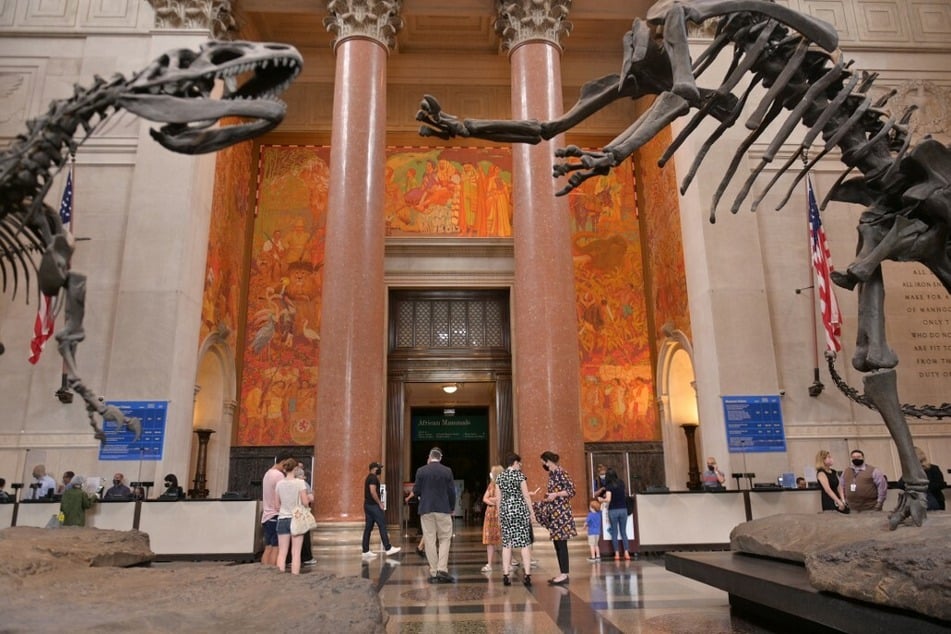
(279, 382)
(231, 207)
(454, 192)
(617, 402)
(463, 192)
(663, 238)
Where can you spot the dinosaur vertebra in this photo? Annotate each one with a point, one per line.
(795, 58)
(174, 90)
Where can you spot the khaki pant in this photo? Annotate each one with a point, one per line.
(437, 527)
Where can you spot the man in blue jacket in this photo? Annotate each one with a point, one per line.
(436, 492)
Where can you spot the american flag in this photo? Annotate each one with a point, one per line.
(831, 317)
(43, 324)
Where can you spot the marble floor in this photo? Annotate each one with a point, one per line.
(603, 597)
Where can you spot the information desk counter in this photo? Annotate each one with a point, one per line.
(698, 519)
(671, 520)
(180, 529)
(38, 514)
(201, 529)
(6, 514)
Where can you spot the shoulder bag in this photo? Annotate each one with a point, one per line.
(302, 520)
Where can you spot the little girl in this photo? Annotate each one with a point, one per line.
(593, 522)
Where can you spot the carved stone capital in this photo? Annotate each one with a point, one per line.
(215, 15)
(527, 20)
(228, 407)
(378, 20)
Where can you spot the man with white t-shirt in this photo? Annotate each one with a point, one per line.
(270, 508)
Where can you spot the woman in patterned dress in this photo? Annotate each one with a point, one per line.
(554, 513)
(491, 533)
(515, 517)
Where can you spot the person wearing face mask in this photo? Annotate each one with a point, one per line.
(554, 513)
(373, 513)
(172, 490)
(118, 490)
(865, 486)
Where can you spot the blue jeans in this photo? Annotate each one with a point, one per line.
(374, 515)
(617, 525)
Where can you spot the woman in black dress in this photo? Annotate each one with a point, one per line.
(833, 498)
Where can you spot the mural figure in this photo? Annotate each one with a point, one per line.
(175, 89)
(795, 57)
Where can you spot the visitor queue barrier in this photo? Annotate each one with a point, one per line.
(178, 529)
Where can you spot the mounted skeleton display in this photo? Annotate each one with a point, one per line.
(904, 187)
(175, 90)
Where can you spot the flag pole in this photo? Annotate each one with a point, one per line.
(816, 388)
(64, 394)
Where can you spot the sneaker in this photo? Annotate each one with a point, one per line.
(594, 559)
(309, 562)
(369, 555)
(487, 568)
(392, 550)
(516, 564)
(534, 563)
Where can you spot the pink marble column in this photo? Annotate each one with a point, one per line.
(546, 367)
(351, 388)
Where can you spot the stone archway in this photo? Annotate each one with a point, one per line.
(215, 393)
(677, 394)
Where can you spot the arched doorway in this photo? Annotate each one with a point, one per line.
(215, 391)
(677, 392)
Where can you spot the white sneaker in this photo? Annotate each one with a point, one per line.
(309, 562)
(368, 555)
(393, 550)
(487, 568)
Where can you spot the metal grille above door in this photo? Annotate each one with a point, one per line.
(441, 320)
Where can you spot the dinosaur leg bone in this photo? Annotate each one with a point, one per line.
(881, 388)
(72, 333)
(871, 348)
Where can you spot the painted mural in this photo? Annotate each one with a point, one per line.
(663, 238)
(449, 192)
(231, 209)
(282, 342)
(464, 192)
(617, 402)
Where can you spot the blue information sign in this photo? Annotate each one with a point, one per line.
(120, 443)
(753, 424)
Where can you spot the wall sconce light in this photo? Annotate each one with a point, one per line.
(450, 388)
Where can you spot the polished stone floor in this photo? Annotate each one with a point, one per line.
(603, 597)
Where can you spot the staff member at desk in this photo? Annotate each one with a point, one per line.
(713, 479)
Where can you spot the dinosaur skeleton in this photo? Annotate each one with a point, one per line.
(175, 89)
(904, 188)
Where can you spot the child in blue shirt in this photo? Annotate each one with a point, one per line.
(593, 522)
